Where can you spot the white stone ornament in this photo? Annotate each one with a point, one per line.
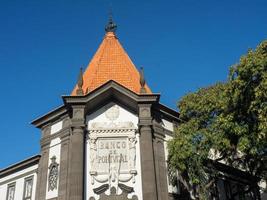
(132, 152)
(93, 154)
(112, 126)
(113, 112)
(112, 157)
(112, 144)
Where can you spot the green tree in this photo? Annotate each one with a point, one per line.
(226, 121)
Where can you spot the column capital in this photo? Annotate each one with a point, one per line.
(77, 124)
(78, 112)
(144, 110)
(145, 127)
(144, 114)
(158, 130)
(78, 117)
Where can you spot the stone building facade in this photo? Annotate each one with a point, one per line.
(108, 140)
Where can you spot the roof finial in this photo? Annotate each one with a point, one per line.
(142, 81)
(79, 90)
(111, 26)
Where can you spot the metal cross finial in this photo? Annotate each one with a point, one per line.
(111, 26)
(79, 90)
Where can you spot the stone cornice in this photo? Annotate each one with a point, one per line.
(111, 91)
(19, 176)
(112, 130)
(158, 130)
(47, 118)
(168, 112)
(20, 166)
(167, 132)
(108, 91)
(107, 86)
(65, 132)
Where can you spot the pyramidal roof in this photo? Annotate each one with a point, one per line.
(111, 62)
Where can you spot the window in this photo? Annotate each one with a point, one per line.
(28, 184)
(10, 191)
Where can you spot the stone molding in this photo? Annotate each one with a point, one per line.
(45, 142)
(20, 166)
(55, 198)
(19, 176)
(46, 130)
(113, 131)
(111, 125)
(158, 131)
(51, 116)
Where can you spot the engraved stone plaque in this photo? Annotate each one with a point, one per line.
(112, 153)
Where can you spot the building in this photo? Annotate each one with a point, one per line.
(108, 140)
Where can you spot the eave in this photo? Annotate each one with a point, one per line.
(20, 165)
(169, 112)
(110, 91)
(46, 118)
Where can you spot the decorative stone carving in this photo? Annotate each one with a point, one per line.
(53, 174)
(78, 114)
(111, 125)
(114, 196)
(132, 152)
(112, 153)
(93, 154)
(145, 112)
(112, 157)
(101, 189)
(114, 172)
(79, 90)
(113, 112)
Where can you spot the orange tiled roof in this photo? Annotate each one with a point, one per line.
(111, 62)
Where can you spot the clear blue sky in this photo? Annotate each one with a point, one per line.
(182, 44)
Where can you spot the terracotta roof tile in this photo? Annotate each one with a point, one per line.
(111, 62)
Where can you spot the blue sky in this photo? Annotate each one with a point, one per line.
(182, 44)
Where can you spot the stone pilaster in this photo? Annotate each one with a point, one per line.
(160, 162)
(64, 164)
(149, 186)
(76, 161)
(42, 171)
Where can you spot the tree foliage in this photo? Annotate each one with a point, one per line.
(226, 121)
